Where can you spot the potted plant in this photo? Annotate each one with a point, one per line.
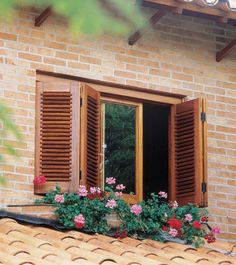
(106, 212)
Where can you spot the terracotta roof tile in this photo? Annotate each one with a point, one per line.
(21, 244)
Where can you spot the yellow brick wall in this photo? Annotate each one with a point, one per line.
(177, 56)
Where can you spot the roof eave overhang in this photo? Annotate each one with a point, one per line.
(189, 8)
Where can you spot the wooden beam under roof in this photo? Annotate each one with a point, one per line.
(43, 16)
(221, 54)
(190, 7)
(150, 23)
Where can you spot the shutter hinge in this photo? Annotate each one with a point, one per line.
(81, 102)
(204, 187)
(203, 116)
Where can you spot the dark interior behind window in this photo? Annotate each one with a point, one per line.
(155, 148)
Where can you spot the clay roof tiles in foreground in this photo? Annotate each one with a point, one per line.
(225, 5)
(24, 245)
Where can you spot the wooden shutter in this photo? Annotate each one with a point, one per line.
(90, 137)
(57, 128)
(188, 153)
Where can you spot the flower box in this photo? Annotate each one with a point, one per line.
(95, 211)
(113, 220)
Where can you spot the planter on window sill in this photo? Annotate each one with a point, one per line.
(113, 220)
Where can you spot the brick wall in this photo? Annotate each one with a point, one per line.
(177, 56)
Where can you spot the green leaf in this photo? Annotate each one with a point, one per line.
(90, 17)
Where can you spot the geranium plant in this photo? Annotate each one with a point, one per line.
(40, 180)
(155, 218)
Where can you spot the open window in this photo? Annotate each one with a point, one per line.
(149, 142)
(121, 145)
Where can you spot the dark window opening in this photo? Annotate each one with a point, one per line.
(155, 148)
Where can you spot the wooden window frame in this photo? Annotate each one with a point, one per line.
(138, 146)
(133, 94)
(127, 94)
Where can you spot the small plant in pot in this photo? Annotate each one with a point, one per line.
(106, 212)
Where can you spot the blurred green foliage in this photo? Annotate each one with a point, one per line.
(120, 144)
(7, 127)
(86, 16)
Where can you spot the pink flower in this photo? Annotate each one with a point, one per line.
(110, 180)
(162, 194)
(40, 180)
(215, 230)
(59, 198)
(82, 191)
(173, 232)
(120, 187)
(95, 190)
(111, 204)
(136, 209)
(188, 217)
(79, 221)
(175, 204)
(118, 193)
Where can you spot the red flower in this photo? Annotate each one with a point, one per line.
(95, 195)
(210, 238)
(204, 219)
(79, 221)
(122, 234)
(40, 180)
(91, 196)
(79, 225)
(175, 223)
(196, 224)
(165, 228)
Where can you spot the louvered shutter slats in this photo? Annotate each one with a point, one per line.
(186, 169)
(93, 142)
(54, 144)
(55, 131)
(186, 158)
(91, 137)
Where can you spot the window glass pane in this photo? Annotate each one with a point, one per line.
(119, 147)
